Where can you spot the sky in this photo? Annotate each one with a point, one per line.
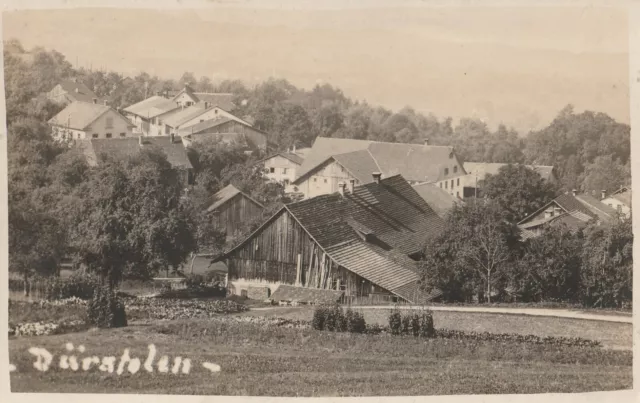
(514, 65)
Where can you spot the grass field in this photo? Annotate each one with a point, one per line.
(259, 360)
(610, 334)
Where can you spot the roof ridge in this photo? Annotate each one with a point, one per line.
(375, 161)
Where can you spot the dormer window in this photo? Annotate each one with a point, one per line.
(446, 171)
(455, 169)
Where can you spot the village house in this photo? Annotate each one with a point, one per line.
(477, 172)
(125, 147)
(89, 120)
(187, 97)
(231, 209)
(283, 166)
(572, 210)
(437, 198)
(333, 160)
(620, 200)
(201, 112)
(148, 115)
(73, 90)
(363, 242)
(226, 130)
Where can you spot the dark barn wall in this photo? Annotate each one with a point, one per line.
(235, 213)
(271, 255)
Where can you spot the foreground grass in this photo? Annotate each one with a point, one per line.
(258, 360)
(610, 334)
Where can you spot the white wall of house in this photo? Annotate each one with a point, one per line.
(184, 100)
(324, 180)
(280, 169)
(237, 286)
(618, 205)
(63, 133)
(109, 125)
(453, 185)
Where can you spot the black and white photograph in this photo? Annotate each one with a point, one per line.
(316, 199)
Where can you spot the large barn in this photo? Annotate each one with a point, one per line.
(363, 240)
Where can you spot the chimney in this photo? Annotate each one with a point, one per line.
(173, 138)
(95, 100)
(294, 148)
(140, 140)
(376, 177)
(206, 105)
(604, 194)
(105, 102)
(574, 191)
(77, 90)
(341, 186)
(352, 184)
(426, 141)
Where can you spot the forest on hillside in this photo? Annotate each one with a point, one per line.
(590, 150)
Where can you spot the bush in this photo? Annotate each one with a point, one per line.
(426, 325)
(78, 285)
(105, 309)
(334, 319)
(194, 281)
(395, 322)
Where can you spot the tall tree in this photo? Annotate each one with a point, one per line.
(518, 190)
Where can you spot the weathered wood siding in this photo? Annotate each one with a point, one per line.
(272, 255)
(235, 213)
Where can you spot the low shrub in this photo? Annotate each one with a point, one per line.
(395, 322)
(334, 319)
(415, 323)
(514, 337)
(78, 285)
(105, 310)
(164, 308)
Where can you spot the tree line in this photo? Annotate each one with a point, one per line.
(590, 150)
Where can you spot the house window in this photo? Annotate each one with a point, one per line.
(272, 170)
(284, 171)
(458, 182)
(286, 181)
(451, 183)
(109, 123)
(123, 134)
(440, 185)
(619, 208)
(108, 135)
(215, 111)
(458, 195)
(455, 169)
(325, 181)
(446, 171)
(94, 135)
(315, 179)
(445, 185)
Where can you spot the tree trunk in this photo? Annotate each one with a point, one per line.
(26, 285)
(489, 286)
(192, 261)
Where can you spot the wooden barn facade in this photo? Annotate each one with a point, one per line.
(233, 209)
(359, 241)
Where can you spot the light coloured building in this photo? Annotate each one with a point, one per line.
(282, 167)
(331, 161)
(619, 200)
(148, 116)
(88, 120)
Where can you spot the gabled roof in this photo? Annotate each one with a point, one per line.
(196, 110)
(227, 193)
(77, 91)
(130, 146)
(222, 100)
(208, 125)
(483, 168)
(438, 199)
(152, 107)
(415, 162)
(623, 195)
(79, 115)
(396, 218)
(582, 203)
(293, 157)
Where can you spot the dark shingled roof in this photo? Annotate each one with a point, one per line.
(438, 199)
(227, 193)
(83, 94)
(305, 295)
(130, 146)
(582, 203)
(371, 232)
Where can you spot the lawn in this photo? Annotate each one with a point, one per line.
(610, 334)
(264, 360)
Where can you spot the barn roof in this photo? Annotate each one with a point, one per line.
(584, 204)
(130, 146)
(223, 100)
(415, 162)
(481, 169)
(227, 193)
(79, 115)
(151, 107)
(370, 232)
(438, 199)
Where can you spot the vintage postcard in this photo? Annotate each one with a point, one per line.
(370, 199)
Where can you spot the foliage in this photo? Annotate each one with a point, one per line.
(518, 190)
(171, 309)
(334, 319)
(193, 281)
(514, 337)
(472, 253)
(607, 265)
(549, 269)
(412, 322)
(79, 285)
(395, 322)
(105, 310)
